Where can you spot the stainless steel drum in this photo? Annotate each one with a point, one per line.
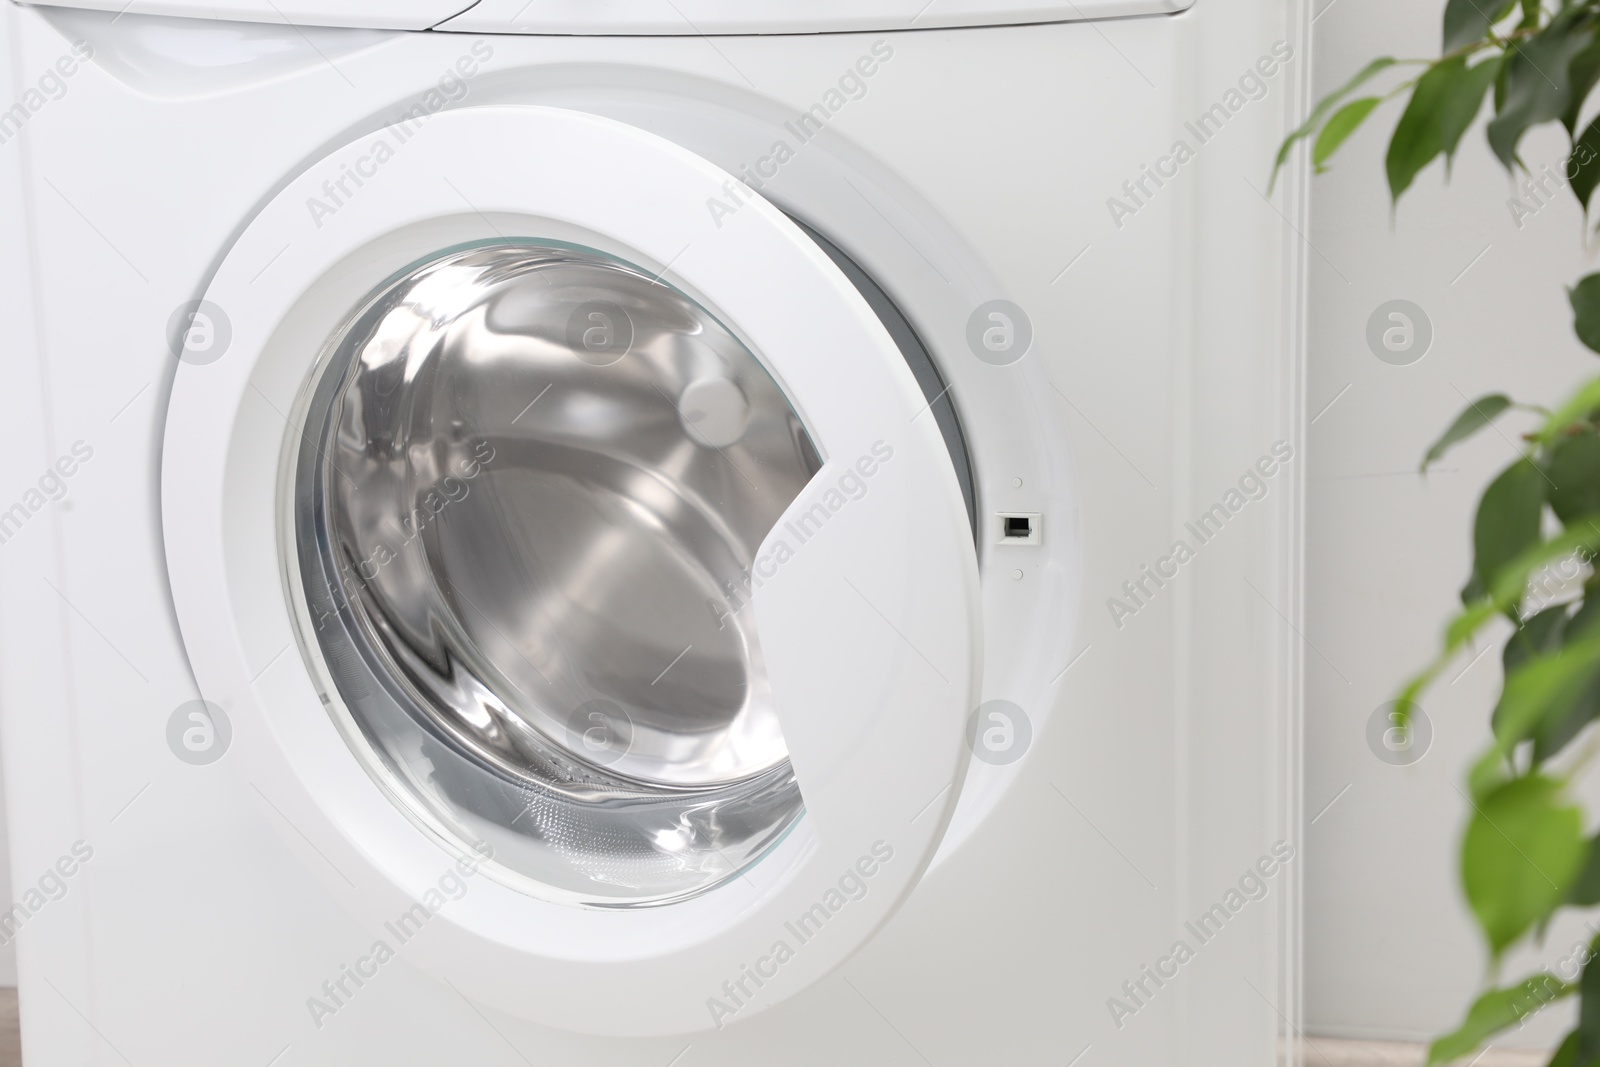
(530, 481)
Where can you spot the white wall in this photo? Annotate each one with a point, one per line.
(1389, 948)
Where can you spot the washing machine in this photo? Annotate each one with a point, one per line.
(651, 533)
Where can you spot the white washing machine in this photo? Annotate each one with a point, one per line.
(644, 533)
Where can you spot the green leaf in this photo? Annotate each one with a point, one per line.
(1521, 855)
(1495, 1011)
(1463, 104)
(1544, 682)
(1535, 84)
(1574, 469)
(1583, 621)
(1340, 127)
(1585, 297)
(1585, 891)
(1588, 1049)
(1473, 418)
(1419, 136)
(1560, 725)
(1583, 72)
(1566, 720)
(1578, 406)
(1567, 1054)
(1508, 590)
(1325, 105)
(1463, 626)
(1583, 165)
(1510, 583)
(1507, 523)
(1466, 22)
(1538, 635)
(1544, 686)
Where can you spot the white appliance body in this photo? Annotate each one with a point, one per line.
(1037, 740)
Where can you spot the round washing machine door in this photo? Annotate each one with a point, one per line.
(591, 597)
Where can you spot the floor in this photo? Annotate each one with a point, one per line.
(10, 1041)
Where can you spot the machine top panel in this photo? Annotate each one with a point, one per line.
(640, 17)
(364, 14)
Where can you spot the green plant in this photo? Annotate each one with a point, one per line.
(1524, 855)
